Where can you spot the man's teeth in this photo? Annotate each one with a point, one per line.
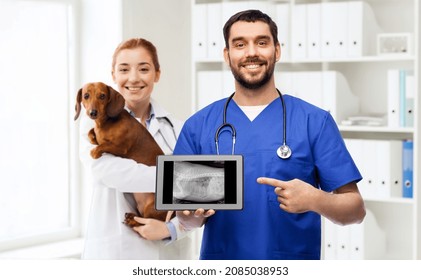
(133, 88)
(252, 66)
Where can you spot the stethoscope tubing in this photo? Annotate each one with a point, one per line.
(283, 152)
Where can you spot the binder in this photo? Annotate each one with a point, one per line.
(200, 32)
(299, 32)
(327, 29)
(409, 100)
(231, 8)
(215, 37)
(363, 241)
(313, 30)
(402, 98)
(343, 242)
(339, 29)
(362, 29)
(388, 168)
(283, 22)
(370, 171)
(393, 98)
(407, 168)
(367, 240)
(329, 240)
(264, 6)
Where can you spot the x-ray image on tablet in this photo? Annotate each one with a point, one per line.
(199, 181)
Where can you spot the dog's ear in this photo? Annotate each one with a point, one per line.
(116, 103)
(78, 101)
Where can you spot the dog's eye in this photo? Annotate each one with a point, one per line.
(102, 96)
(86, 96)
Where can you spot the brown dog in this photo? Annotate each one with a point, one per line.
(118, 133)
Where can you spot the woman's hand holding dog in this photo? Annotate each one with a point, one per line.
(151, 229)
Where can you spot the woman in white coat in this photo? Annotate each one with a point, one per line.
(135, 70)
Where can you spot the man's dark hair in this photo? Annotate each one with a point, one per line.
(250, 16)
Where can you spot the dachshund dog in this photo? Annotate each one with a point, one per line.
(118, 133)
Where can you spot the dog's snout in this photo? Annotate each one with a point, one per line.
(93, 113)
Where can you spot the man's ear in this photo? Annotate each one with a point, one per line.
(226, 56)
(278, 51)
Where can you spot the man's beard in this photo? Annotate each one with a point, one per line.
(256, 83)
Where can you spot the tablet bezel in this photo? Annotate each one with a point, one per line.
(160, 173)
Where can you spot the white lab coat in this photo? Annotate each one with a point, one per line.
(114, 178)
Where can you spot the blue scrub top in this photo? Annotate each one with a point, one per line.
(319, 156)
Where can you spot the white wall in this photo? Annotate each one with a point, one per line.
(166, 23)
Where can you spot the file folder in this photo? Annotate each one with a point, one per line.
(313, 30)
(407, 168)
(299, 32)
(200, 43)
(283, 23)
(214, 30)
(409, 100)
(393, 98)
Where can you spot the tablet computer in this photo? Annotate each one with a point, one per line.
(190, 182)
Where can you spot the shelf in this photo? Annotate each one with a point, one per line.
(379, 129)
(374, 58)
(396, 200)
(377, 132)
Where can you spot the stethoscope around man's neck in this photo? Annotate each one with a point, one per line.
(284, 151)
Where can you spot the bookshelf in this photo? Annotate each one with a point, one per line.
(365, 73)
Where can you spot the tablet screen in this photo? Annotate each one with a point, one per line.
(199, 181)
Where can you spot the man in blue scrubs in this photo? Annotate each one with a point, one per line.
(283, 198)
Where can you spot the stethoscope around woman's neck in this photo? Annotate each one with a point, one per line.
(284, 151)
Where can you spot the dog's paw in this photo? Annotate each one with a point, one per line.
(130, 221)
(92, 137)
(96, 153)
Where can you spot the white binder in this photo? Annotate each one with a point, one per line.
(409, 103)
(388, 168)
(231, 8)
(369, 169)
(200, 43)
(329, 240)
(299, 32)
(313, 30)
(365, 241)
(214, 31)
(393, 100)
(340, 29)
(327, 29)
(283, 23)
(362, 29)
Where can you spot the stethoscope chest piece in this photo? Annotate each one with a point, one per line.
(284, 152)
